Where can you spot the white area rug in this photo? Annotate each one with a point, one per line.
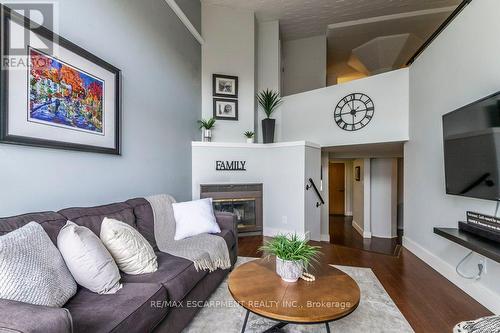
(376, 311)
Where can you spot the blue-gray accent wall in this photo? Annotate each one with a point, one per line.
(161, 101)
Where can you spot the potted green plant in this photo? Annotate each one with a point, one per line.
(249, 135)
(269, 100)
(206, 127)
(293, 255)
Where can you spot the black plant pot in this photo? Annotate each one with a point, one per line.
(268, 130)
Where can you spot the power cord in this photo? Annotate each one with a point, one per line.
(480, 266)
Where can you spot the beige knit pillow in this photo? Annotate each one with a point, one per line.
(131, 251)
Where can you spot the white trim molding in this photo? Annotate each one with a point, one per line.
(184, 19)
(325, 238)
(479, 292)
(392, 17)
(364, 234)
(272, 232)
(255, 145)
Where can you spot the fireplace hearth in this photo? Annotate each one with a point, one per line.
(243, 200)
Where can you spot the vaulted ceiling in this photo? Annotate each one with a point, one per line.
(305, 18)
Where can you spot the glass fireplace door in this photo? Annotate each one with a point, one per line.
(244, 209)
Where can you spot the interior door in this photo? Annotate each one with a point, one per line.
(336, 188)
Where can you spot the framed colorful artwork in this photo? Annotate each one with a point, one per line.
(54, 94)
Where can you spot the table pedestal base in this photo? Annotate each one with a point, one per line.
(276, 328)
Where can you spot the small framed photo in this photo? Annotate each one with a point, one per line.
(357, 173)
(225, 86)
(225, 109)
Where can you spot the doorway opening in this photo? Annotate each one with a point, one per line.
(365, 197)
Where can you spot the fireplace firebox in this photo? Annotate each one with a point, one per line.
(243, 200)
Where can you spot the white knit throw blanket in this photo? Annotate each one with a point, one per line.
(206, 251)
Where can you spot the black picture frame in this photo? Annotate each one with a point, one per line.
(5, 137)
(222, 76)
(357, 173)
(226, 100)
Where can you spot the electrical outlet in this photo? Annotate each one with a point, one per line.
(284, 220)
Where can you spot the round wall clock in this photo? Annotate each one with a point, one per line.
(354, 112)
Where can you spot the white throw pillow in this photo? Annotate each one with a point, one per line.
(193, 218)
(32, 270)
(131, 251)
(88, 260)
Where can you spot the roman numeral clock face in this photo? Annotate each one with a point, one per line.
(354, 112)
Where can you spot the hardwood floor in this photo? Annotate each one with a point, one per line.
(429, 302)
(343, 233)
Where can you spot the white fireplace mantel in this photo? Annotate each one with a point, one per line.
(283, 168)
(255, 145)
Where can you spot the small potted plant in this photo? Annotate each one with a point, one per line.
(269, 100)
(206, 127)
(249, 135)
(293, 255)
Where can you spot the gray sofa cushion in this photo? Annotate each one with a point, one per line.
(144, 219)
(176, 274)
(134, 308)
(91, 217)
(228, 237)
(51, 222)
(24, 317)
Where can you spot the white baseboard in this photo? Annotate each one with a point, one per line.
(476, 290)
(271, 232)
(348, 213)
(325, 238)
(360, 230)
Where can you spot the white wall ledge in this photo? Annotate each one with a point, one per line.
(255, 145)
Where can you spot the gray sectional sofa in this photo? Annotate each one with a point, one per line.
(162, 301)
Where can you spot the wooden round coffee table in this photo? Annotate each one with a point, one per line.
(256, 286)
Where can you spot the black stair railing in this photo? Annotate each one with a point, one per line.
(313, 185)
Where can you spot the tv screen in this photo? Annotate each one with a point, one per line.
(472, 149)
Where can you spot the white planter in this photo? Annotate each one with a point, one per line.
(290, 271)
(249, 140)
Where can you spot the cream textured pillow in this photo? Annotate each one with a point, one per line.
(131, 251)
(32, 270)
(193, 218)
(88, 260)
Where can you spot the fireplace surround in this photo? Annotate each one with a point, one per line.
(243, 200)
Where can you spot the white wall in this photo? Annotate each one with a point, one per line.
(358, 197)
(161, 65)
(459, 67)
(312, 213)
(268, 69)
(304, 64)
(282, 169)
(325, 209)
(349, 179)
(309, 115)
(384, 197)
(229, 49)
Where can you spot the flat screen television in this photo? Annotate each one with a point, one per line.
(472, 149)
